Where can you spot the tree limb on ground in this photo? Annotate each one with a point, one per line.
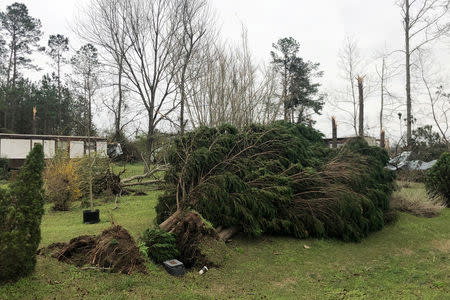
(148, 182)
(145, 175)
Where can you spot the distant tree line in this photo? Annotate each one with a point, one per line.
(51, 105)
(163, 62)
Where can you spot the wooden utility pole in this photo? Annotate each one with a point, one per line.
(361, 105)
(334, 129)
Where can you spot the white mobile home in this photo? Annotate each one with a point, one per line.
(16, 147)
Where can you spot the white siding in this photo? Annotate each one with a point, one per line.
(102, 147)
(15, 148)
(49, 148)
(76, 149)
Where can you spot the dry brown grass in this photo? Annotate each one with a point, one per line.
(412, 198)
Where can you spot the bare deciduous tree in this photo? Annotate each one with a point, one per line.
(350, 62)
(103, 24)
(143, 37)
(386, 69)
(424, 21)
(438, 100)
(196, 21)
(227, 86)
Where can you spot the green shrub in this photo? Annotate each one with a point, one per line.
(21, 210)
(437, 181)
(3, 168)
(426, 144)
(160, 245)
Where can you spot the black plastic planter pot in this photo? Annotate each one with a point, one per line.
(91, 217)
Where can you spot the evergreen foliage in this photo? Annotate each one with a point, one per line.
(161, 245)
(426, 144)
(299, 93)
(3, 168)
(21, 210)
(278, 179)
(437, 181)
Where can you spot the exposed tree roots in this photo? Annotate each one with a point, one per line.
(114, 250)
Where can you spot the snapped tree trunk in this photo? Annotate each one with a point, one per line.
(334, 132)
(361, 106)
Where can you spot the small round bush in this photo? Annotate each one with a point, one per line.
(437, 181)
(161, 245)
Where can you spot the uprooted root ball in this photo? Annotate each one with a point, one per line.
(198, 242)
(114, 250)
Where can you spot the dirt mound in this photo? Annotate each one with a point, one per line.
(198, 242)
(114, 250)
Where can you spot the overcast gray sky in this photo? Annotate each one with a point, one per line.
(320, 26)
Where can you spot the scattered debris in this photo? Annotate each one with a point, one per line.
(306, 247)
(174, 267)
(203, 270)
(114, 150)
(402, 162)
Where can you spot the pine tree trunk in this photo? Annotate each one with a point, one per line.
(59, 97)
(227, 233)
(168, 224)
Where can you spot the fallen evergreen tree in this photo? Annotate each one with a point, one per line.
(276, 179)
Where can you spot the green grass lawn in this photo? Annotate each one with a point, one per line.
(406, 260)
(130, 169)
